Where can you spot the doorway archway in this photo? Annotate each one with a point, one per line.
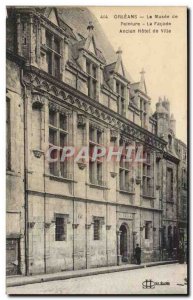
(124, 243)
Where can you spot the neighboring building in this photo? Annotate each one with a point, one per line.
(182, 214)
(62, 90)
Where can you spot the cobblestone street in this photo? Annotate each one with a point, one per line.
(126, 282)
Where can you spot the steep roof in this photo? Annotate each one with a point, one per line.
(71, 18)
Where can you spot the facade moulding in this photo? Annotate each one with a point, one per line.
(70, 198)
(40, 80)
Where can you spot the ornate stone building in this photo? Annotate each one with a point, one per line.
(63, 90)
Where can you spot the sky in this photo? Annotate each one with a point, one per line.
(162, 55)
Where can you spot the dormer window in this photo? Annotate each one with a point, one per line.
(91, 70)
(169, 142)
(143, 115)
(120, 89)
(53, 54)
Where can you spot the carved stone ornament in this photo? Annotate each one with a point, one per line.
(37, 79)
(47, 225)
(108, 227)
(81, 120)
(113, 174)
(138, 180)
(75, 226)
(37, 100)
(159, 155)
(31, 224)
(88, 226)
(158, 186)
(57, 108)
(114, 135)
(81, 164)
(37, 153)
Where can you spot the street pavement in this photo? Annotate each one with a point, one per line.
(166, 279)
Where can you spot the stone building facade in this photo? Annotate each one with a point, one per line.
(61, 90)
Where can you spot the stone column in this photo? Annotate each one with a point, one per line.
(18, 34)
(118, 248)
(88, 258)
(38, 52)
(75, 253)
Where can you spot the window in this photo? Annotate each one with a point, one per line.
(184, 154)
(120, 89)
(169, 142)
(184, 179)
(147, 229)
(148, 171)
(164, 237)
(60, 227)
(96, 230)
(158, 177)
(58, 136)
(8, 134)
(169, 184)
(175, 241)
(125, 169)
(97, 226)
(91, 70)
(95, 167)
(53, 54)
(143, 113)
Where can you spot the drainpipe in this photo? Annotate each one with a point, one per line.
(162, 214)
(73, 170)
(25, 174)
(107, 234)
(44, 157)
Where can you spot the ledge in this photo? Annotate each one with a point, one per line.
(58, 178)
(148, 197)
(13, 173)
(97, 186)
(171, 202)
(145, 135)
(126, 192)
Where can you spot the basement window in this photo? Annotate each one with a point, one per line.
(147, 230)
(97, 227)
(61, 227)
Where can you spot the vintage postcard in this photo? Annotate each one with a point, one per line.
(96, 120)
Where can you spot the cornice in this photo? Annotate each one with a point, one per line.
(20, 60)
(170, 157)
(39, 79)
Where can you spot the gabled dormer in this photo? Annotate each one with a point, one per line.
(52, 14)
(142, 100)
(91, 60)
(115, 76)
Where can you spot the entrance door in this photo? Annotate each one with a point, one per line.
(170, 240)
(12, 256)
(123, 243)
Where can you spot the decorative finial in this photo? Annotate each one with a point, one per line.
(172, 117)
(119, 51)
(90, 26)
(142, 72)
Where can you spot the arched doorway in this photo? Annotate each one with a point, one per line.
(123, 243)
(170, 240)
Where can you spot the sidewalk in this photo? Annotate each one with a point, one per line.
(23, 280)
